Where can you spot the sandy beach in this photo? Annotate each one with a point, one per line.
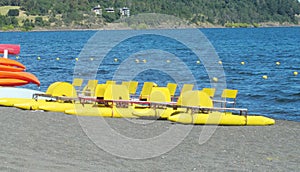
(44, 141)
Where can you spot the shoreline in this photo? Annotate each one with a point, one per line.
(118, 26)
(48, 141)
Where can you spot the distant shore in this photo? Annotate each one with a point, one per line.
(122, 26)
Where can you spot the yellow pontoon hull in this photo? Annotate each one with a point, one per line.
(220, 118)
(92, 110)
(12, 101)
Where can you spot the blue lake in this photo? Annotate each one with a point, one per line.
(259, 48)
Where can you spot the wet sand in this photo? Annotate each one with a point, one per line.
(44, 141)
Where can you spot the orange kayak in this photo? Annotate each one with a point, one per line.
(12, 82)
(11, 48)
(25, 76)
(10, 68)
(10, 62)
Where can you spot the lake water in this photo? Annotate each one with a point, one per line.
(259, 48)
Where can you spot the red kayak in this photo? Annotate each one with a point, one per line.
(11, 71)
(10, 68)
(25, 76)
(12, 82)
(11, 48)
(10, 62)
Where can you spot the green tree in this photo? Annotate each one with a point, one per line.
(13, 12)
(39, 22)
(28, 24)
(109, 17)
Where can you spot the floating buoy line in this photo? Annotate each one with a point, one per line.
(214, 79)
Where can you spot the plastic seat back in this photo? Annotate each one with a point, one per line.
(116, 92)
(209, 91)
(110, 82)
(160, 94)
(90, 88)
(172, 88)
(126, 83)
(186, 87)
(195, 98)
(133, 87)
(100, 90)
(77, 82)
(146, 90)
(229, 94)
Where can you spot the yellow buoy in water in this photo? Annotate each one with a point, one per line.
(39, 58)
(168, 61)
(145, 61)
(92, 59)
(295, 73)
(277, 63)
(220, 62)
(137, 60)
(265, 77)
(198, 61)
(242, 63)
(215, 79)
(76, 59)
(57, 58)
(17, 57)
(116, 60)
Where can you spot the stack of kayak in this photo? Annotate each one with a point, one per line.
(12, 72)
(120, 101)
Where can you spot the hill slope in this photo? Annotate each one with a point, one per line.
(70, 13)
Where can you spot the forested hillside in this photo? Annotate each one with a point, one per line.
(56, 13)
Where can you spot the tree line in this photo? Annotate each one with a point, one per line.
(218, 12)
